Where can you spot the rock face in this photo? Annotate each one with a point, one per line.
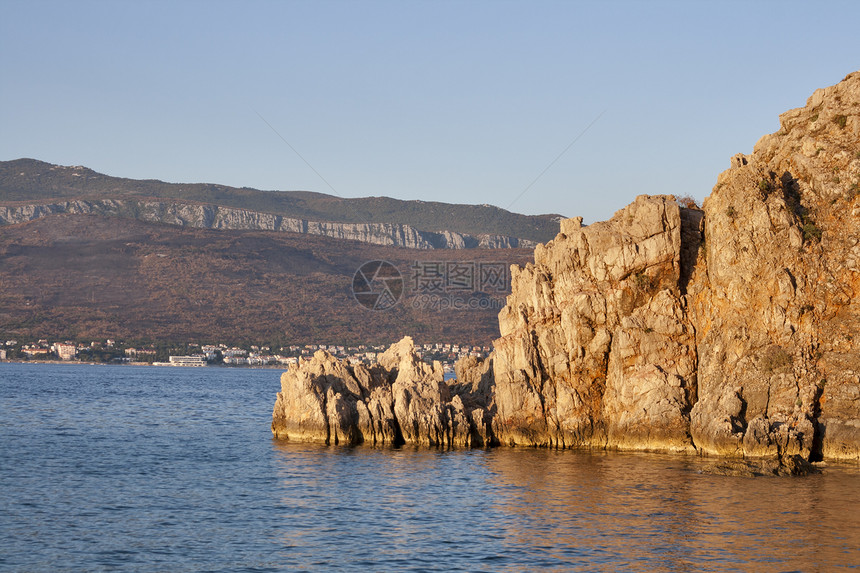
(731, 330)
(597, 348)
(219, 217)
(400, 400)
(775, 301)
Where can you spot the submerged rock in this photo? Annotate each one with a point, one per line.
(786, 466)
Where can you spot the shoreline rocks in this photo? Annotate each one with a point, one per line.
(731, 330)
(399, 401)
(596, 349)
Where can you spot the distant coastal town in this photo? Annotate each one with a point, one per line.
(111, 351)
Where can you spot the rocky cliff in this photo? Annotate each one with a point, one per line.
(730, 330)
(220, 217)
(597, 347)
(727, 330)
(775, 299)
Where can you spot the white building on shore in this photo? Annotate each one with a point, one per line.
(195, 360)
(65, 351)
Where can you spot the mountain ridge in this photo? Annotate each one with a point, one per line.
(32, 182)
(207, 216)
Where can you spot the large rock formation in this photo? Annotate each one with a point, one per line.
(400, 400)
(730, 330)
(775, 300)
(219, 217)
(597, 348)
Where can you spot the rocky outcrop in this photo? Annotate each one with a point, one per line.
(775, 298)
(400, 400)
(731, 330)
(728, 331)
(597, 348)
(220, 217)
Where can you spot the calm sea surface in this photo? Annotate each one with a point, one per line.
(170, 469)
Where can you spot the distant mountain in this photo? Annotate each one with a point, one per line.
(30, 189)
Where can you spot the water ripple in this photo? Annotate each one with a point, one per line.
(130, 469)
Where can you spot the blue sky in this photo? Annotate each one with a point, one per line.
(465, 102)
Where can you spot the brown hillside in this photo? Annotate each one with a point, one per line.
(83, 277)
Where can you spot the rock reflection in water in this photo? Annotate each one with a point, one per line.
(659, 512)
(516, 509)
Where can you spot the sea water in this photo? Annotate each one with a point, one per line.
(122, 468)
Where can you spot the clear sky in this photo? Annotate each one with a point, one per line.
(456, 101)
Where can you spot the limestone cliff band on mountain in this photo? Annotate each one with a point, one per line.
(731, 330)
(32, 189)
(220, 217)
